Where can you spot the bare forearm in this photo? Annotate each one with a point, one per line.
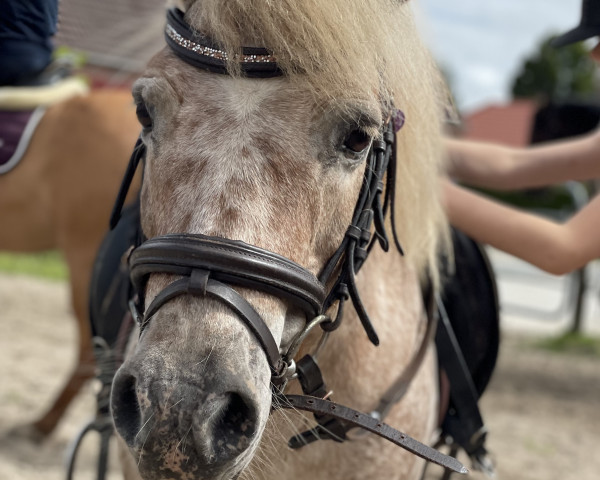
(556, 248)
(480, 164)
(503, 168)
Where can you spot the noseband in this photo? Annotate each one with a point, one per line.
(210, 266)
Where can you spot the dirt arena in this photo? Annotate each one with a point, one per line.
(542, 409)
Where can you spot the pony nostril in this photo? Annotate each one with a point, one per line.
(237, 423)
(125, 407)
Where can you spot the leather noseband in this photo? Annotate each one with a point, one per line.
(208, 264)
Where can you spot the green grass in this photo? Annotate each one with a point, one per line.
(46, 265)
(574, 343)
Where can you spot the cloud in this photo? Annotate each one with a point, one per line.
(482, 43)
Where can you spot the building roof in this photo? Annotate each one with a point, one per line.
(509, 124)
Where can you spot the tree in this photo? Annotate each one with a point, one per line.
(556, 74)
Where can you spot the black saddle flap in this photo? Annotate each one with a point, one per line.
(110, 288)
(467, 341)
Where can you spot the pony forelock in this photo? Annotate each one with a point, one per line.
(354, 50)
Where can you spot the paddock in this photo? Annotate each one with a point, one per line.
(541, 407)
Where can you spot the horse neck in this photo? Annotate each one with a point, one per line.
(359, 373)
(355, 369)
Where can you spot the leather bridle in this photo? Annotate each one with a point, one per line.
(210, 266)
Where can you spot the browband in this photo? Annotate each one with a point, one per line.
(201, 52)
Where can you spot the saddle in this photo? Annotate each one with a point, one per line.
(16, 130)
(467, 342)
(110, 287)
(23, 98)
(111, 324)
(21, 110)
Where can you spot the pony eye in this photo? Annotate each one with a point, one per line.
(357, 141)
(143, 116)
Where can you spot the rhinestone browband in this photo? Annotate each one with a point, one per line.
(201, 52)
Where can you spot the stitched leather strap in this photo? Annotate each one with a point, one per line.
(199, 284)
(354, 418)
(201, 52)
(138, 155)
(313, 385)
(208, 264)
(229, 261)
(358, 242)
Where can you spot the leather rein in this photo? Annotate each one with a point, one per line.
(210, 266)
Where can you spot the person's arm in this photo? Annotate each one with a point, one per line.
(554, 247)
(503, 168)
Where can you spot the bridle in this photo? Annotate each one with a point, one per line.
(210, 266)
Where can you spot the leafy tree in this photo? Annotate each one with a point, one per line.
(556, 74)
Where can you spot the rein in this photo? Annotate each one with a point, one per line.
(209, 265)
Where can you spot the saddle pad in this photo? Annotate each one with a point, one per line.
(16, 130)
(28, 98)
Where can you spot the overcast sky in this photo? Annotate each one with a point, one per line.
(482, 42)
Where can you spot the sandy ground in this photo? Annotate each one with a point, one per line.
(542, 409)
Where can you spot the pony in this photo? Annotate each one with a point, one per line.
(272, 168)
(59, 197)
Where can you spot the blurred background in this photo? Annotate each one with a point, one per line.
(510, 87)
(482, 46)
(542, 407)
(116, 38)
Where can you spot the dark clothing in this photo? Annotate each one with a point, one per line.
(26, 27)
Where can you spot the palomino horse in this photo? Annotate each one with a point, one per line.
(59, 197)
(258, 162)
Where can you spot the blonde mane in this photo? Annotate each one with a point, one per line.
(355, 49)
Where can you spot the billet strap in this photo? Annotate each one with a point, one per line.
(201, 52)
(356, 419)
(229, 261)
(465, 425)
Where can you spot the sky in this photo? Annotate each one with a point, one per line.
(482, 43)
